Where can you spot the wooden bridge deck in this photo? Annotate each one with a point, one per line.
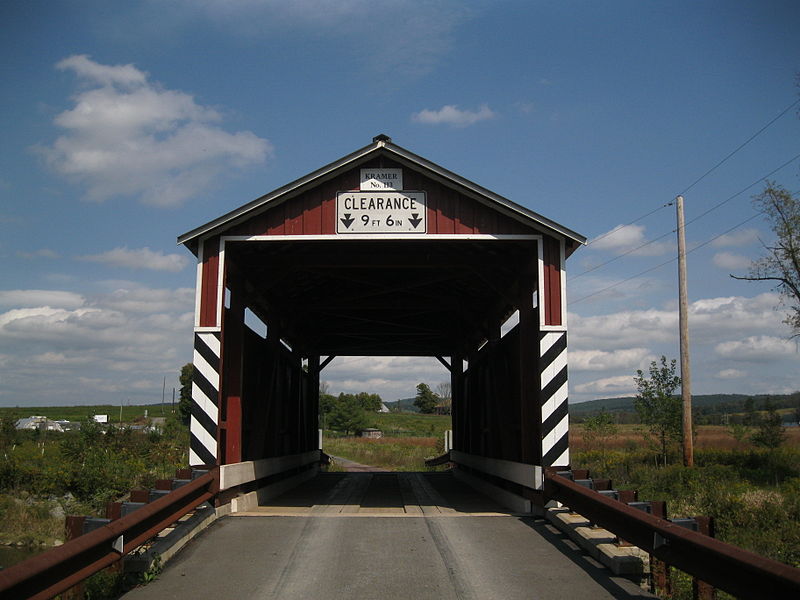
(387, 536)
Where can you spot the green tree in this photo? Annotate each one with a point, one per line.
(369, 402)
(750, 414)
(347, 415)
(781, 261)
(658, 407)
(770, 432)
(425, 400)
(185, 403)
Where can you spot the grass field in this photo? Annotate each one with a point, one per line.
(411, 424)
(708, 437)
(393, 453)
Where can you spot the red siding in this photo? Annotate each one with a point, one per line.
(551, 255)
(209, 279)
(314, 211)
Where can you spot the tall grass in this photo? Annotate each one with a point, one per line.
(393, 453)
(752, 494)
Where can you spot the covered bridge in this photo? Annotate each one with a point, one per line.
(381, 252)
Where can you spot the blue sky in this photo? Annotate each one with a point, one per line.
(127, 124)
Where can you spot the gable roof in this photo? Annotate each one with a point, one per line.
(381, 146)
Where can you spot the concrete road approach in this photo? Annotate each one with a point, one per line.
(384, 536)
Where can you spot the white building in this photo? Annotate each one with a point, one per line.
(38, 422)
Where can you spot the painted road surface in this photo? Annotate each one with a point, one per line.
(386, 536)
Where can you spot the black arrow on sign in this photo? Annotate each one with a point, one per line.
(347, 221)
(414, 220)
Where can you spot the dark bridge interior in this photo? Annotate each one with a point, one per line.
(384, 297)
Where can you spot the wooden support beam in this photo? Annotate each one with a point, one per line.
(445, 363)
(326, 362)
(529, 351)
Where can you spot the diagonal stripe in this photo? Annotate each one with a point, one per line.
(547, 339)
(211, 339)
(555, 350)
(202, 419)
(558, 449)
(561, 461)
(552, 369)
(555, 418)
(205, 457)
(202, 348)
(560, 430)
(206, 438)
(555, 384)
(204, 404)
(201, 366)
(555, 400)
(208, 389)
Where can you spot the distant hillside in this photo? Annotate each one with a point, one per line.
(404, 405)
(707, 406)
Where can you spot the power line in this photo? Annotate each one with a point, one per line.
(716, 206)
(666, 262)
(603, 264)
(689, 222)
(743, 190)
(597, 239)
(750, 139)
(699, 179)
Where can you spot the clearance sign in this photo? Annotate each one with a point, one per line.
(383, 211)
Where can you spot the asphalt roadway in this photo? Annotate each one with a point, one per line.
(385, 536)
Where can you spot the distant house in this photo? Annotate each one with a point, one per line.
(371, 433)
(38, 422)
(383, 408)
(443, 407)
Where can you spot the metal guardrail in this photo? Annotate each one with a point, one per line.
(59, 569)
(730, 568)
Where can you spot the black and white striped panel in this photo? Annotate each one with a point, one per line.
(205, 396)
(555, 418)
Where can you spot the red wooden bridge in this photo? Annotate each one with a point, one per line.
(384, 253)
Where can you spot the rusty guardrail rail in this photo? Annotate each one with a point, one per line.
(725, 566)
(57, 570)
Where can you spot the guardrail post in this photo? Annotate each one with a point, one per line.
(700, 589)
(73, 528)
(660, 572)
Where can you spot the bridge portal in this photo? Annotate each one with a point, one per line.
(382, 252)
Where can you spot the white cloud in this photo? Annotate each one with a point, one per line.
(628, 239)
(760, 348)
(84, 67)
(452, 115)
(38, 298)
(731, 374)
(41, 253)
(127, 136)
(622, 385)
(123, 342)
(140, 258)
(393, 377)
(599, 360)
(742, 237)
(731, 261)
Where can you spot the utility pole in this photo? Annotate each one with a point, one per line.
(683, 319)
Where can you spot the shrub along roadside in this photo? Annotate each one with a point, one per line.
(78, 473)
(753, 495)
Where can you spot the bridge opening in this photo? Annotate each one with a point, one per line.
(320, 269)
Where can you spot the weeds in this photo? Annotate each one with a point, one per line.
(396, 454)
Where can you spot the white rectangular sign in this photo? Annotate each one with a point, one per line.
(381, 212)
(381, 179)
